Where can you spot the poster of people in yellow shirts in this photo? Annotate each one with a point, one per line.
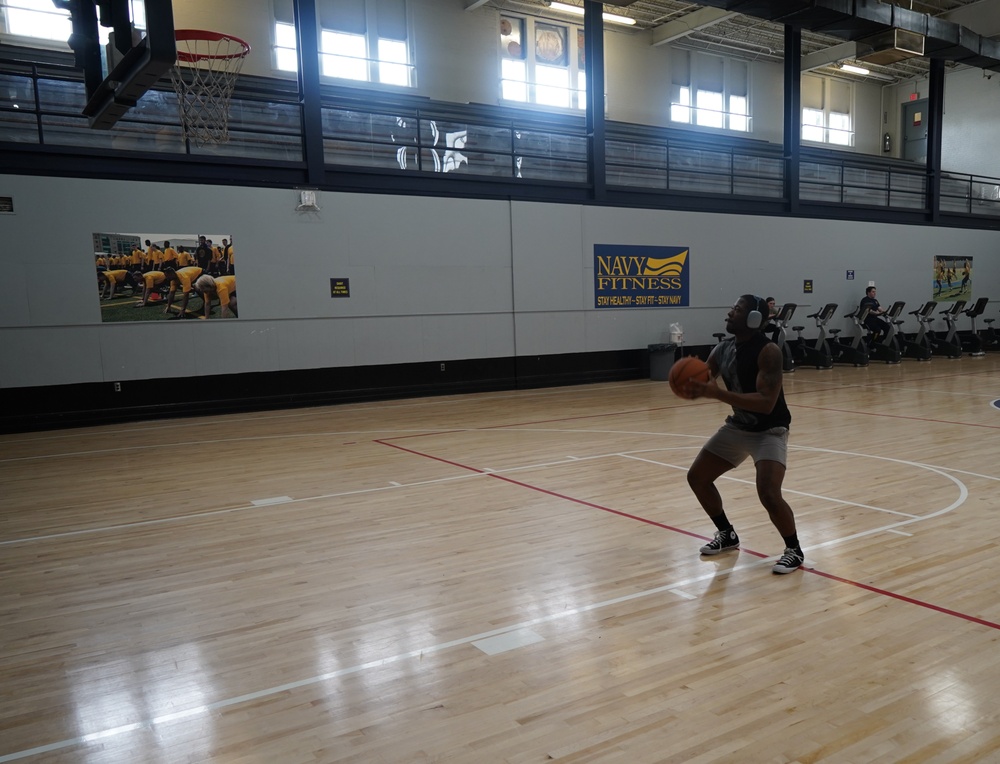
(163, 277)
(952, 278)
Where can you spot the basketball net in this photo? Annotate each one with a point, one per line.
(208, 64)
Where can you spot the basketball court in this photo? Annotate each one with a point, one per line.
(508, 577)
(501, 577)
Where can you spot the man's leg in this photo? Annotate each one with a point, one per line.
(770, 475)
(707, 468)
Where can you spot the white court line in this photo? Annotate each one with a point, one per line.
(511, 470)
(271, 500)
(675, 588)
(784, 489)
(418, 653)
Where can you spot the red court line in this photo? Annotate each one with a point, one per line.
(682, 531)
(895, 416)
(904, 598)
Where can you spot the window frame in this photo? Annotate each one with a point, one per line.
(575, 87)
(47, 10)
(823, 129)
(378, 72)
(687, 94)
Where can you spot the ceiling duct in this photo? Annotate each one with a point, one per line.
(890, 46)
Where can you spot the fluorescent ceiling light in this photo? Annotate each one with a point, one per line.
(578, 10)
(853, 69)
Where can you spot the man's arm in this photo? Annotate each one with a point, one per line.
(768, 384)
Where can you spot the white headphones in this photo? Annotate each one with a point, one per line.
(755, 318)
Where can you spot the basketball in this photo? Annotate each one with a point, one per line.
(689, 367)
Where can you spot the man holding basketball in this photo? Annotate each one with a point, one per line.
(750, 365)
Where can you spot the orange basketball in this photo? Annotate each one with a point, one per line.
(687, 368)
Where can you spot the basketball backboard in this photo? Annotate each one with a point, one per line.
(116, 82)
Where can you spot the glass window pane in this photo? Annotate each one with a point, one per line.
(514, 76)
(709, 111)
(552, 86)
(285, 56)
(40, 19)
(581, 90)
(344, 55)
(738, 114)
(810, 133)
(286, 60)
(680, 111)
(139, 14)
(511, 35)
(812, 117)
(284, 35)
(393, 60)
(840, 129)
(812, 125)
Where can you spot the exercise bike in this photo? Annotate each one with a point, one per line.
(948, 345)
(818, 354)
(854, 350)
(885, 347)
(990, 336)
(778, 334)
(971, 341)
(919, 345)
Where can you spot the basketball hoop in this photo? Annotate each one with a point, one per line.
(204, 76)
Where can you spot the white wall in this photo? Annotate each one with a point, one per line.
(970, 140)
(457, 61)
(431, 279)
(970, 133)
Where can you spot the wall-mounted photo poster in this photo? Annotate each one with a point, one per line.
(952, 278)
(164, 277)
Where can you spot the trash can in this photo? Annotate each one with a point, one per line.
(661, 358)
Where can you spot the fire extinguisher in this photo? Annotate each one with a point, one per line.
(886, 143)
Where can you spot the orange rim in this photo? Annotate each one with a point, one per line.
(202, 34)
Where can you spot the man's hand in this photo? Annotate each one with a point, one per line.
(696, 389)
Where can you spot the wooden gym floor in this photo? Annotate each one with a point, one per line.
(508, 577)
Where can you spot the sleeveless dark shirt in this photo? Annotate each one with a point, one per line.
(738, 369)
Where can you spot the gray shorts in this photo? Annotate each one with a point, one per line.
(735, 445)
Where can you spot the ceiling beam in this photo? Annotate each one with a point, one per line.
(691, 22)
(829, 56)
(983, 17)
(471, 5)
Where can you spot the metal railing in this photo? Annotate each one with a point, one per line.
(40, 104)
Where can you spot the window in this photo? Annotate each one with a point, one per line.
(285, 47)
(344, 55)
(680, 109)
(360, 40)
(720, 87)
(826, 110)
(41, 20)
(839, 129)
(813, 123)
(708, 109)
(542, 63)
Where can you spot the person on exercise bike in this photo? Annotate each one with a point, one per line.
(772, 311)
(874, 322)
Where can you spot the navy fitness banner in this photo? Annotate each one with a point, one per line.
(640, 277)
